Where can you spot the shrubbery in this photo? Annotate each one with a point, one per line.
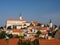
(28, 42)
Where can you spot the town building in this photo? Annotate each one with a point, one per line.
(17, 23)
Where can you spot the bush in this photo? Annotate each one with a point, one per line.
(10, 35)
(20, 42)
(36, 42)
(2, 35)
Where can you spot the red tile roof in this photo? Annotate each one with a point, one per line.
(31, 33)
(3, 42)
(32, 27)
(35, 22)
(45, 32)
(17, 30)
(43, 28)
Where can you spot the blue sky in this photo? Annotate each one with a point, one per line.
(39, 10)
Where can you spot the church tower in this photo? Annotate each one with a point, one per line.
(50, 24)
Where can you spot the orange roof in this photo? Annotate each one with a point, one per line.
(35, 22)
(32, 27)
(3, 42)
(45, 32)
(43, 28)
(17, 30)
(31, 33)
(32, 39)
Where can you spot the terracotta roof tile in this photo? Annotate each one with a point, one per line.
(17, 30)
(43, 28)
(45, 32)
(35, 22)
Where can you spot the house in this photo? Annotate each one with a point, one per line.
(35, 23)
(31, 31)
(44, 31)
(17, 23)
(18, 32)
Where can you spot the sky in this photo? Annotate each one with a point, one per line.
(31, 10)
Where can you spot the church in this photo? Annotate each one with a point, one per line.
(17, 23)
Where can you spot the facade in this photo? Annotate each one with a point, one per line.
(17, 23)
(18, 32)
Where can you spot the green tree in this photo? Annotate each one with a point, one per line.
(9, 27)
(28, 42)
(31, 24)
(10, 35)
(35, 42)
(38, 33)
(38, 24)
(20, 42)
(2, 35)
(1, 27)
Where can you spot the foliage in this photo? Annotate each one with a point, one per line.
(52, 33)
(31, 24)
(10, 35)
(9, 27)
(28, 42)
(38, 33)
(24, 24)
(36, 42)
(1, 27)
(21, 42)
(2, 35)
(19, 36)
(38, 24)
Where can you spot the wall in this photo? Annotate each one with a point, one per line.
(50, 42)
(14, 41)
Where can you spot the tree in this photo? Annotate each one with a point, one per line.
(20, 42)
(38, 24)
(9, 27)
(2, 35)
(17, 36)
(31, 24)
(1, 27)
(28, 42)
(36, 42)
(10, 35)
(52, 33)
(24, 24)
(38, 33)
